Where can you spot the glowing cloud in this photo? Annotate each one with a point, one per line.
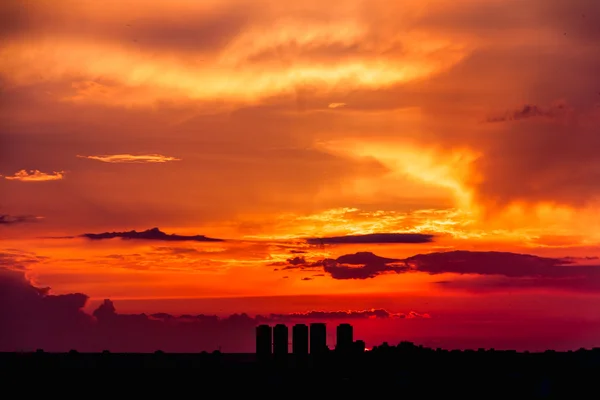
(337, 105)
(247, 68)
(36, 176)
(449, 168)
(131, 159)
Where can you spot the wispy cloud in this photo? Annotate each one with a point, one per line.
(131, 158)
(532, 111)
(374, 238)
(6, 219)
(36, 176)
(473, 270)
(150, 234)
(337, 105)
(343, 315)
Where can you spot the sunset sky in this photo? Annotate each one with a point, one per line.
(435, 159)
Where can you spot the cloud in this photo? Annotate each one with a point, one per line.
(374, 238)
(298, 262)
(36, 176)
(13, 259)
(197, 54)
(131, 159)
(150, 234)
(33, 318)
(532, 111)
(337, 105)
(6, 219)
(518, 270)
(431, 164)
(506, 271)
(354, 222)
(496, 263)
(361, 265)
(27, 311)
(345, 315)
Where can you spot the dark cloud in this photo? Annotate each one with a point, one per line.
(150, 234)
(362, 258)
(6, 219)
(29, 315)
(499, 271)
(361, 265)
(374, 238)
(32, 318)
(344, 315)
(512, 269)
(532, 111)
(496, 263)
(575, 259)
(298, 262)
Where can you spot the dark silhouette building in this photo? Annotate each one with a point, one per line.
(280, 339)
(300, 339)
(318, 338)
(344, 338)
(359, 346)
(264, 339)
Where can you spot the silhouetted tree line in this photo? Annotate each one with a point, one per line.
(406, 367)
(405, 354)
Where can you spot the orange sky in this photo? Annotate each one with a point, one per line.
(267, 122)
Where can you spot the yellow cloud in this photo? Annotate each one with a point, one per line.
(131, 159)
(354, 221)
(449, 169)
(139, 76)
(36, 176)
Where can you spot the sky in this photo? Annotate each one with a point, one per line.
(427, 170)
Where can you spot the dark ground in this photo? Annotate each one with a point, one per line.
(409, 372)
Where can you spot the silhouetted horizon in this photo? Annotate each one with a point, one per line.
(297, 194)
(410, 367)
